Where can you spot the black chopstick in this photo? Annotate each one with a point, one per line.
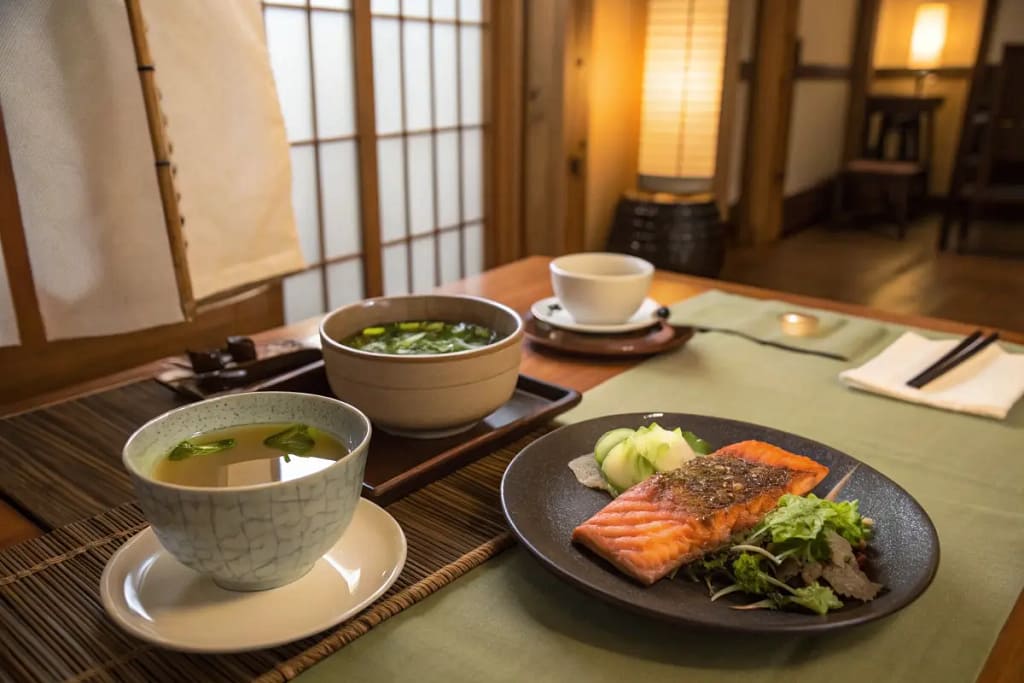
(966, 349)
(968, 340)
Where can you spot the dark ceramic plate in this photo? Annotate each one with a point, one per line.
(544, 503)
(659, 337)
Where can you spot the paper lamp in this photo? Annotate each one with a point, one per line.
(682, 92)
(672, 220)
(927, 40)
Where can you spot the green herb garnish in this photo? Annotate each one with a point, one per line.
(296, 440)
(186, 449)
(798, 526)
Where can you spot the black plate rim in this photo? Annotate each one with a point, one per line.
(812, 626)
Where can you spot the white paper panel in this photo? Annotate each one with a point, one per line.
(304, 200)
(421, 185)
(344, 283)
(288, 42)
(384, 6)
(294, 3)
(8, 320)
(83, 169)
(391, 184)
(451, 257)
(417, 74)
(448, 211)
(416, 8)
(472, 174)
(339, 188)
(423, 264)
(445, 76)
(229, 139)
(332, 4)
(332, 59)
(303, 297)
(471, 55)
(471, 10)
(387, 84)
(474, 242)
(444, 9)
(396, 270)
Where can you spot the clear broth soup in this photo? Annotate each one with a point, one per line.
(248, 455)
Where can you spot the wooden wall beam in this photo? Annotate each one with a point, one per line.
(503, 192)
(771, 98)
(576, 64)
(545, 166)
(366, 145)
(727, 115)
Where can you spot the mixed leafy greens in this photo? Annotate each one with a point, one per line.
(782, 559)
(422, 337)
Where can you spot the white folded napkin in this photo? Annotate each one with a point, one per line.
(987, 384)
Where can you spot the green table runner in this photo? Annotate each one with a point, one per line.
(512, 620)
(843, 337)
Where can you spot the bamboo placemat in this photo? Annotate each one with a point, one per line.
(62, 463)
(53, 627)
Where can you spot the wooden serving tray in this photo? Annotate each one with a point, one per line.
(397, 465)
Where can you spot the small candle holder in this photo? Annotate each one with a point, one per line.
(798, 324)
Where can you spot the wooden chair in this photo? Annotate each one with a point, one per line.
(893, 181)
(991, 167)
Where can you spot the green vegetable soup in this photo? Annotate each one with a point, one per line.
(249, 454)
(422, 338)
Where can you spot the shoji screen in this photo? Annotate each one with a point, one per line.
(428, 95)
(427, 68)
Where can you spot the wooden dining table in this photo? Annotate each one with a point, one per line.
(518, 285)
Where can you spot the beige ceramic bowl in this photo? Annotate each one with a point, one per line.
(423, 395)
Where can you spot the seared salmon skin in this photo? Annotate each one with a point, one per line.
(676, 517)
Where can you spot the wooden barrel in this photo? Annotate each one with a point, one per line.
(682, 233)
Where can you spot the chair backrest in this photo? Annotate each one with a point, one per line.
(1003, 154)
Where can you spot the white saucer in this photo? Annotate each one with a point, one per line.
(559, 317)
(156, 598)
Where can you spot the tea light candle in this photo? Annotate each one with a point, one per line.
(798, 324)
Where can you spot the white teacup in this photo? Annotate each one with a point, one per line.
(599, 288)
(259, 536)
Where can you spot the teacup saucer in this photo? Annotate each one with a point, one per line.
(551, 312)
(156, 598)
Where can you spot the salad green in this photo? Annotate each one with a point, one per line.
(783, 559)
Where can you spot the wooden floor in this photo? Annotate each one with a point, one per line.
(870, 266)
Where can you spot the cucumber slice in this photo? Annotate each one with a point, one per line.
(610, 440)
(623, 467)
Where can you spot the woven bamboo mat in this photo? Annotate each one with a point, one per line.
(63, 463)
(53, 627)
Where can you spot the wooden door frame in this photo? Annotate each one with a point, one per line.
(767, 142)
(503, 147)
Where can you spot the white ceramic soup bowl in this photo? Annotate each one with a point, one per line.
(429, 395)
(260, 536)
(599, 288)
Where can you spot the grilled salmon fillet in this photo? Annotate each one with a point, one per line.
(676, 517)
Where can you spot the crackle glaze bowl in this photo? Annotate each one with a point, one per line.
(428, 395)
(260, 536)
